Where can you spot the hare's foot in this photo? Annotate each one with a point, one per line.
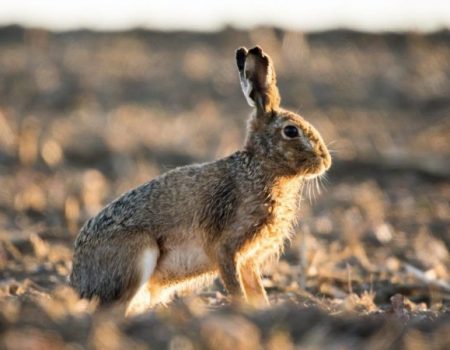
(252, 286)
(142, 299)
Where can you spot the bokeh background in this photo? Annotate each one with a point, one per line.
(90, 106)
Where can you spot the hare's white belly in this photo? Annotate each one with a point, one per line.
(184, 260)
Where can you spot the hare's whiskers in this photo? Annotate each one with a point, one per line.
(316, 180)
(331, 142)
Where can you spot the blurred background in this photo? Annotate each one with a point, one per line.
(99, 96)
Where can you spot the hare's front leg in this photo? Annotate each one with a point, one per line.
(241, 278)
(254, 291)
(230, 274)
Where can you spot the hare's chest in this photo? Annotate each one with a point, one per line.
(269, 238)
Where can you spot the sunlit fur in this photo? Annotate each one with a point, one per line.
(225, 217)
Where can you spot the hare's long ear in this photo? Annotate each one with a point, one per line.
(258, 79)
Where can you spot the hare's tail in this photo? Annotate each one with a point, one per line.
(114, 270)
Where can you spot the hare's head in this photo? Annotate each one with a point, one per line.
(288, 143)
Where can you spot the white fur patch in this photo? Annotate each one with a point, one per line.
(142, 299)
(247, 88)
(149, 259)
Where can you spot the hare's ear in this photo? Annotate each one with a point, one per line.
(258, 80)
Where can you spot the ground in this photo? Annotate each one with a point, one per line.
(85, 116)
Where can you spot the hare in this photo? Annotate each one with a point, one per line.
(225, 217)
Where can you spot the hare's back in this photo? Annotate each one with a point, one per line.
(171, 200)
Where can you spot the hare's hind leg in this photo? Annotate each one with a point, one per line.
(141, 301)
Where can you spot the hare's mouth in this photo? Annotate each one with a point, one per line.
(320, 165)
(312, 175)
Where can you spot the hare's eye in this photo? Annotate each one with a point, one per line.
(290, 131)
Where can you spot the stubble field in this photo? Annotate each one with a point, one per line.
(85, 116)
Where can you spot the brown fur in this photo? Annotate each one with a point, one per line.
(225, 217)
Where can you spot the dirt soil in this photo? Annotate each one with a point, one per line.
(85, 116)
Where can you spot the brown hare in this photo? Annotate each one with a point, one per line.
(226, 217)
